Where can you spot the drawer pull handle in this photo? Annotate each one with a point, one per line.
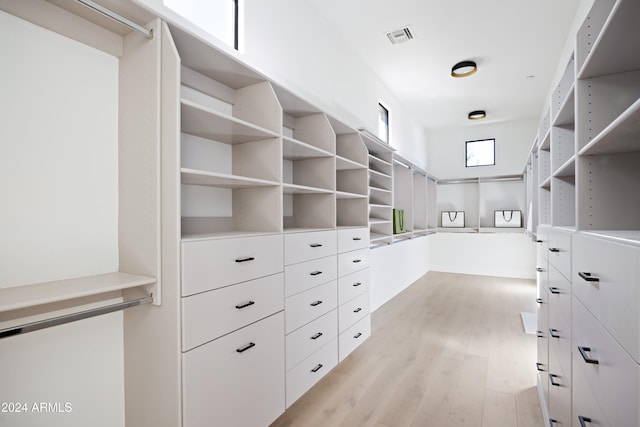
(315, 273)
(357, 238)
(246, 347)
(540, 270)
(355, 285)
(538, 241)
(539, 300)
(553, 383)
(249, 258)
(555, 250)
(552, 422)
(540, 334)
(584, 420)
(357, 310)
(356, 261)
(245, 305)
(316, 336)
(554, 290)
(588, 277)
(583, 352)
(317, 368)
(539, 367)
(315, 303)
(358, 335)
(315, 245)
(554, 333)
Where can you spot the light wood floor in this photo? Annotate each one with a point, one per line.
(450, 350)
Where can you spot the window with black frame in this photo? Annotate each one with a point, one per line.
(480, 152)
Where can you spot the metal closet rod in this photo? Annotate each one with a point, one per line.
(67, 318)
(116, 17)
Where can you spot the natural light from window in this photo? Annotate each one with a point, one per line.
(481, 152)
(216, 17)
(383, 123)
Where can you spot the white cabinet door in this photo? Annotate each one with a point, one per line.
(354, 336)
(212, 264)
(611, 373)
(299, 247)
(306, 275)
(606, 279)
(302, 308)
(211, 314)
(237, 380)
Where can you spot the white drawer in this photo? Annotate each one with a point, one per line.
(350, 239)
(300, 247)
(214, 313)
(352, 311)
(559, 294)
(559, 394)
(352, 285)
(212, 264)
(302, 308)
(308, 372)
(615, 297)
(350, 339)
(350, 262)
(306, 340)
(309, 274)
(560, 251)
(585, 404)
(560, 343)
(614, 379)
(220, 380)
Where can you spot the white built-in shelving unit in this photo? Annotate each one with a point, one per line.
(588, 239)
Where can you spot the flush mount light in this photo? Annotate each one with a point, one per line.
(477, 115)
(464, 69)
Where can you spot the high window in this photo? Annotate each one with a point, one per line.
(383, 122)
(481, 152)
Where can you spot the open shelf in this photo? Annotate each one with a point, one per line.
(622, 135)
(33, 295)
(211, 179)
(567, 169)
(567, 113)
(302, 189)
(296, 150)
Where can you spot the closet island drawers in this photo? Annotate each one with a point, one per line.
(559, 250)
(351, 239)
(302, 308)
(311, 337)
(238, 379)
(306, 373)
(350, 262)
(352, 285)
(214, 313)
(607, 281)
(352, 311)
(212, 264)
(306, 275)
(611, 374)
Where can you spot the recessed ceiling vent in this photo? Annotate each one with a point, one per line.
(400, 35)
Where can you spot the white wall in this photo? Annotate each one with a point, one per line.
(290, 42)
(488, 254)
(513, 143)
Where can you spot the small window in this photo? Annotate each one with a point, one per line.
(220, 18)
(383, 123)
(481, 152)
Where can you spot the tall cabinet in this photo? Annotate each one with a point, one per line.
(588, 357)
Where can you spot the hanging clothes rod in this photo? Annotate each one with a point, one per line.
(116, 17)
(67, 318)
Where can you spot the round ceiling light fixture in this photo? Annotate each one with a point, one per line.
(477, 115)
(464, 69)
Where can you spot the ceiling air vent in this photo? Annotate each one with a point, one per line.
(400, 35)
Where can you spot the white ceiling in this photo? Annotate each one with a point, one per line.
(509, 39)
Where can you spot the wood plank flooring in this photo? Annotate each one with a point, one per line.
(448, 351)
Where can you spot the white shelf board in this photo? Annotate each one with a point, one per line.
(567, 113)
(405, 235)
(380, 174)
(293, 149)
(546, 184)
(374, 205)
(342, 163)
(377, 160)
(376, 237)
(457, 230)
(616, 48)
(621, 136)
(378, 190)
(567, 169)
(545, 143)
(305, 230)
(20, 297)
(303, 189)
(222, 235)
(502, 230)
(207, 123)
(346, 195)
(373, 220)
(211, 179)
